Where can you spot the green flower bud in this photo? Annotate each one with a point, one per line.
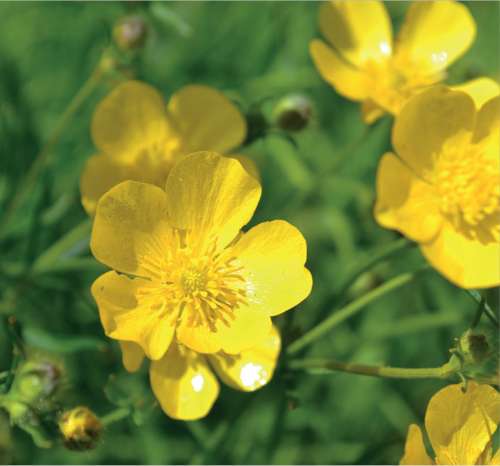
(80, 428)
(130, 33)
(474, 347)
(35, 382)
(293, 113)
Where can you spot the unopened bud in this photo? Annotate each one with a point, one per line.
(80, 428)
(36, 381)
(130, 33)
(293, 113)
(474, 347)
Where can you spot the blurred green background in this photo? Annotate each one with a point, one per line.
(256, 52)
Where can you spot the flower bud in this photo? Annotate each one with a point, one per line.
(36, 381)
(474, 347)
(293, 113)
(80, 428)
(130, 33)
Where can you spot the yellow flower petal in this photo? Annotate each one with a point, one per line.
(488, 122)
(371, 112)
(132, 355)
(245, 328)
(248, 164)
(130, 118)
(481, 90)
(346, 79)
(435, 34)
(126, 314)
(251, 369)
(465, 262)
(415, 452)
(427, 121)
(496, 458)
(359, 31)
(206, 119)
(404, 202)
(273, 255)
(460, 425)
(211, 195)
(130, 228)
(183, 384)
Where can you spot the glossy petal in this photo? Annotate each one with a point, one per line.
(481, 90)
(273, 255)
(101, 173)
(435, 34)
(130, 118)
(488, 122)
(346, 79)
(415, 452)
(466, 263)
(132, 355)
(183, 384)
(130, 228)
(128, 313)
(251, 369)
(404, 202)
(211, 195)
(206, 119)
(248, 327)
(460, 425)
(427, 121)
(359, 31)
(248, 164)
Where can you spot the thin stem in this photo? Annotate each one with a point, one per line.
(349, 310)
(445, 371)
(476, 296)
(379, 256)
(43, 157)
(115, 416)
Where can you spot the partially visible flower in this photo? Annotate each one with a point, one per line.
(80, 428)
(460, 426)
(189, 281)
(441, 188)
(363, 64)
(139, 137)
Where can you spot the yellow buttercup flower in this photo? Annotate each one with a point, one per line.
(139, 137)
(460, 427)
(364, 64)
(441, 188)
(186, 279)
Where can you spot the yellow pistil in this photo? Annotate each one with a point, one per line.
(200, 279)
(468, 184)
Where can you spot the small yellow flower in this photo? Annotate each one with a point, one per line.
(80, 428)
(363, 63)
(460, 427)
(189, 281)
(441, 188)
(139, 137)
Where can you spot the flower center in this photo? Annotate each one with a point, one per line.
(468, 184)
(201, 280)
(394, 81)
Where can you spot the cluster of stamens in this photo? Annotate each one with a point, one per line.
(198, 281)
(468, 184)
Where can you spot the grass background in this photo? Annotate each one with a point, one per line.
(252, 51)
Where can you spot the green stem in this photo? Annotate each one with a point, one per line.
(349, 310)
(50, 256)
(115, 416)
(379, 256)
(445, 371)
(476, 296)
(43, 157)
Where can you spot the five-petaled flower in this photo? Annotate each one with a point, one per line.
(188, 285)
(362, 63)
(441, 188)
(460, 426)
(139, 137)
